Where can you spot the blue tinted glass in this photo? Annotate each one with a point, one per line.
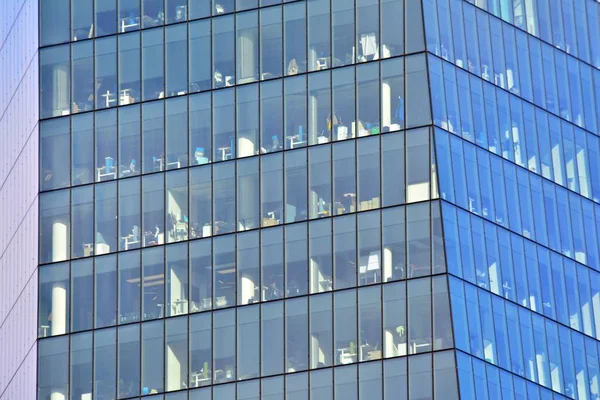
(460, 183)
(466, 246)
(506, 263)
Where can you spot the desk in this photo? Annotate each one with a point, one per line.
(125, 97)
(197, 379)
(180, 307)
(129, 240)
(346, 357)
(101, 173)
(224, 153)
(128, 22)
(177, 164)
(44, 329)
(294, 141)
(110, 98)
(181, 230)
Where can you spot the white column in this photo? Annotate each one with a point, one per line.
(316, 352)
(313, 123)
(386, 104)
(59, 241)
(247, 208)
(315, 275)
(245, 147)
(312, 59)
(60, 87)
(313, 204)
(247, 64)
(178, 306)
(389, 345)
(247, 288)
(387, 264)
(59, 308)
(174, 379)
(57, 395)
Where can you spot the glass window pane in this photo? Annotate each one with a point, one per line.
(394, 320)
(248, 192)
(82, 295)
(153, 357)
(153, 281)
(54, 22)
(199, 46)
(295, 186)
(177, 279)
(271, 194)
(55, 81)
(294, 28)
(128, 374)
(200, 129)
(296, 334)
(271, 43)
(369, 319)
(271, 116)
(129, 287)
(369, 248)
(224, 346)
(200, 328)
(344, 178)
(419, 380)
(320, 252)
(368, 172)
(419, 315)
(105, 291)
(345, 327)
(223, 47)
(224, 198)
(320, 181)
(106, 70)
(129, 141)
(153, 86)
(54, 154)
(296, 259)
(247, 120)
(81, 365)
(272, 346)
(417, 100)
(224, 279)
(176, 61)
(54, 294)
(295, 111)
(344, 244)
(321, 335)
(223, 121)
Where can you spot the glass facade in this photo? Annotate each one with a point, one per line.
(514, 90)
(324, 199)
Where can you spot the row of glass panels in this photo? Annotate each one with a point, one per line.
(516, 130)
(75, 20)
(483, 381)
(515, 61)
(523, 342)
(571, 25)
(371, 323)
(321, 181)
(517, 199)
(256, 266)
(218, 52)
(504, 263)
(401, 379)
(240, 122)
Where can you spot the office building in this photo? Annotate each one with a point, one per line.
(300, 199)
